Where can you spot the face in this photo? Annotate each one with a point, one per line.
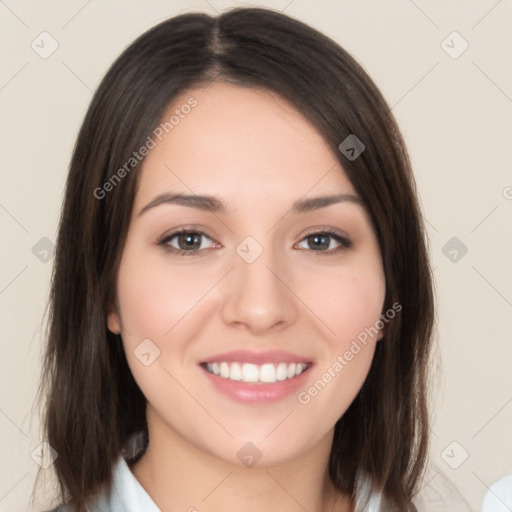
(243, 299)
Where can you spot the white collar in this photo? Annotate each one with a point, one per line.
(127, 494)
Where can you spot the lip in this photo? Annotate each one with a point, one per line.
(257, 393)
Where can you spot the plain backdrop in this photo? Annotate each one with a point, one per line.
(454, 106)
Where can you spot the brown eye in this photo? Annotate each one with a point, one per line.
(328, 242)
(185, 241)
(319, 241)
(189, 241)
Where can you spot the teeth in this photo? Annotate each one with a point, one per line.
(282, 371)
(247, 372)
(224, 370)
(235, 372)
(250, 373)
(267, 373)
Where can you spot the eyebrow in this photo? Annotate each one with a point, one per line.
(212, 204)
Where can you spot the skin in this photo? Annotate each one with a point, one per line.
(256, 153)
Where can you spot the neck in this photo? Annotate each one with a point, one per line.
(180, 476)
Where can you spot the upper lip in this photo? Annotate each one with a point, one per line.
(257, 357)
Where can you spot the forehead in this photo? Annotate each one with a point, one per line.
(244, 144)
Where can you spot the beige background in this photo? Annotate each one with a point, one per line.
(455, 114)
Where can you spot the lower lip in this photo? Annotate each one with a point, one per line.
(263, 393)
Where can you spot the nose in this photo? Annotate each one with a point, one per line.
(259, 296)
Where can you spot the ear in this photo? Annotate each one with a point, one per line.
(382, 331)
(114, 322)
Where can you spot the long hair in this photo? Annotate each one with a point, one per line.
(93, 407)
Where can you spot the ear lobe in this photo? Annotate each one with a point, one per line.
(113, 323)
(381, 333)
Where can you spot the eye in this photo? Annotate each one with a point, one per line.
(326, 241)
(185, 241)
(188, 242)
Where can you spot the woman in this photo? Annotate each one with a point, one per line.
(241, 306)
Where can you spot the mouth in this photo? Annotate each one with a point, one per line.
(255, 377)
(267, 373)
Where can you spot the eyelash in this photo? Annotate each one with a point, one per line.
(344, 242)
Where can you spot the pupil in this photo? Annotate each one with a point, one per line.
(320, 241)
(190, 240)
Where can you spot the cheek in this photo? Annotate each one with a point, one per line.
(347, 300)
(155, 306)
(153, 298)
(166, 306)
(349, 303)
(361, 301)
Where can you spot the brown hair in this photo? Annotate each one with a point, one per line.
(93, 405)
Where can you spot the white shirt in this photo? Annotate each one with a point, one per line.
(127, 493)
(499, 496)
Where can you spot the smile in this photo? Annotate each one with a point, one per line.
(267, 373)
